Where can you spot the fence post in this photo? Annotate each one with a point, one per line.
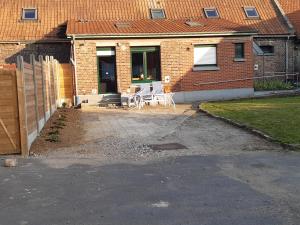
(57, 66)
(49, 84)
(22, 107)
(43, 87)
(36, 106)
(53, 73)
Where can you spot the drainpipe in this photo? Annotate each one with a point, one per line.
(287, 55)
(73, 61)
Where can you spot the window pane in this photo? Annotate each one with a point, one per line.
(251, 12)
(267, 49)
(137, 66)
(153, 65)
(157, 14)
(205, 55)
(211, 13)
(239, 51)
(29, 14)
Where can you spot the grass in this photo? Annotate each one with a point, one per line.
(277, 117)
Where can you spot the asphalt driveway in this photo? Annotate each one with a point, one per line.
(154, 167)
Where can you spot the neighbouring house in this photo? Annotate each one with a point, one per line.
(291, 12)
(203, 49)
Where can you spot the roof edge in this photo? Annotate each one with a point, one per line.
(285, 17)
(161, 35)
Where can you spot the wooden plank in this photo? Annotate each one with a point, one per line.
(22, 109)
(43, 87)
(36, 100)
(8, 134)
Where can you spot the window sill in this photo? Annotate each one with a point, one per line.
(206, 68)
(239, 60)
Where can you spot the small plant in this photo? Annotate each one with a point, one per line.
(53, 138)
(56, 127)
(64, 105)
(53, 132)
(59, 123)
(271, 85)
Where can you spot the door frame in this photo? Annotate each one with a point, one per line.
(112, 49)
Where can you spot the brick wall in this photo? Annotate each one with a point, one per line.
(86, 67)
(276, 62)
(177, 59)
(9, 52)
(123, 66)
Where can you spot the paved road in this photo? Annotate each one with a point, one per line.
(225, 176)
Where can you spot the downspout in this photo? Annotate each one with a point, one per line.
(287, 55)
(73, 61)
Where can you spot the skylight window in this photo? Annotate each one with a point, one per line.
(211, 13)
(29, 14)
(251, 12)
(158, 14)
(122, 25)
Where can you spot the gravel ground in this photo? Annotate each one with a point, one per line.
(120, 135)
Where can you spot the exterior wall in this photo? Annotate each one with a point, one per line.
(277, 62)
(177, 59)
(86, 67)
(9, 52)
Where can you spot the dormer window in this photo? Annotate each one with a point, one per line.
(211, 13)
(29, 14)
(158, 14)
(251, 12)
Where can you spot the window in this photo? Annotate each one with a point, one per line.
(239, 51)
(29, 14)
(267, 49)
(211, 13)
(251, 12)
(205, 56)
(145, 63)
(158, 14)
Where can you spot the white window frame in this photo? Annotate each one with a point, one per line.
(251, 8)
(206, 62)
(210, 9)
(24, 12)
(163, 12)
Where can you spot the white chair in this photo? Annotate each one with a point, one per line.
(144, 95)
(160, 96)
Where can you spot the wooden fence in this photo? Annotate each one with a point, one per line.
(29, 95)
(9, 125)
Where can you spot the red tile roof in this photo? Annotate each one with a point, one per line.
(292, 11)
(53, 14)
(154, 27)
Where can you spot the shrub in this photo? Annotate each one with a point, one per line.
(271, 85)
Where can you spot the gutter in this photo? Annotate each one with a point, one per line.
(274, 36)
(34, 42)
(160, 35)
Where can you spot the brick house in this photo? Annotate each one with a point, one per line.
(204, 49)
(291, 12)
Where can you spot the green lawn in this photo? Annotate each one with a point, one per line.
(277, 117)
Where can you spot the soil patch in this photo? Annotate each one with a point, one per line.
(64, 129)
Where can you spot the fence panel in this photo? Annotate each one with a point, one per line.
(65, 84)
(28, 97)
(9, 121)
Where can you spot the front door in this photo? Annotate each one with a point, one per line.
(107, 71)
